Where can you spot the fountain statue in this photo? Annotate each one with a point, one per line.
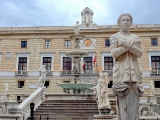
(76, 56)
(127, 81)
(102, 91)
(42, 76)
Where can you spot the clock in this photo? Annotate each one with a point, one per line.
(87, 42)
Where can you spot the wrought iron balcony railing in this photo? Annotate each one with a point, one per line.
(21, 72)
(83, 72)
(49, 72)
(155, 72)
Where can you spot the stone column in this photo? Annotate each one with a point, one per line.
(128, 100)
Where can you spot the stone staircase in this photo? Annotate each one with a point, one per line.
(67, 107)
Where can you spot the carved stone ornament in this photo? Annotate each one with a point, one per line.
(8, 55)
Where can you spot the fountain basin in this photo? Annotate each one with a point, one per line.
(76, 53)
(76, 87)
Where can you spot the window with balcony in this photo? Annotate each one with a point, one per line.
(22, 64)
(47, 62)
(67, 65)
(108, 63)
(155, 62)
(47, 44)
(107, 43)
(23, 44)
(154, 42)
(88, 63)
(67, 43)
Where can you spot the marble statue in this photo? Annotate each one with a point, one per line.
(6, 88)
(87, 19)
(127, 80)
(77, 44)
(102, 91)
(76, 28)
(152, 88)
(76, 67)
(43, 74)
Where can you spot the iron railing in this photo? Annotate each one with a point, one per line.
(21, 72)
(83, 72)
(154, 72)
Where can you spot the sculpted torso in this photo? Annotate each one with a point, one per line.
(126, 48)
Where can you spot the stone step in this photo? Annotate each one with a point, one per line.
(63, 117)
(69, 101)
(66, 103)
(67, 111)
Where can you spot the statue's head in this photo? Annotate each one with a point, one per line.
(125, 21)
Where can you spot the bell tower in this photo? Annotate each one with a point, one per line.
(87, 19)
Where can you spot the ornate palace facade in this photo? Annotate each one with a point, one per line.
(24, 49)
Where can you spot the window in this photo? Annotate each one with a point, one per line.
(110, 84)
(107, 43)
(46, 84)
(47, 62)
(67, 43)
(47, 43)
(20, 84)
(157, 84)
(67, 63)
(88, 63)
(22, 64)
(23, 44)
(18, 98)
(154, 42)
(108, 63)
(155, 62)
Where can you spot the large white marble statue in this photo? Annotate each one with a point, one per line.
(102, 91)
(42, 76)
(6, 88)
(152, 88)
(127, 80)
(76, 28)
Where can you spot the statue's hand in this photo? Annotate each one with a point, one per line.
(128, 44)
(121, 42)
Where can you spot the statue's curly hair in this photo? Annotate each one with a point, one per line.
(124, 14)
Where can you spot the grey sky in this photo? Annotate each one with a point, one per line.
(25, 13)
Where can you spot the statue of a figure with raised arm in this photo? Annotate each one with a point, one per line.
(42, 76)
(127, 81)
(102, 91)
(76, 28)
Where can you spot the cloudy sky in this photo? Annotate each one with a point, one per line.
(26, 13)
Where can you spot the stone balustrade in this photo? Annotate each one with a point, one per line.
(24, 108)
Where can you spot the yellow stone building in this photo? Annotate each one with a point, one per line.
(24, 49)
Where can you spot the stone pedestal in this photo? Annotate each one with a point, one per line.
(128, 100)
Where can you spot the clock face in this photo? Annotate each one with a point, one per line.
(87, 42)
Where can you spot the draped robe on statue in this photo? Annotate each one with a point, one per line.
(126, 74)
